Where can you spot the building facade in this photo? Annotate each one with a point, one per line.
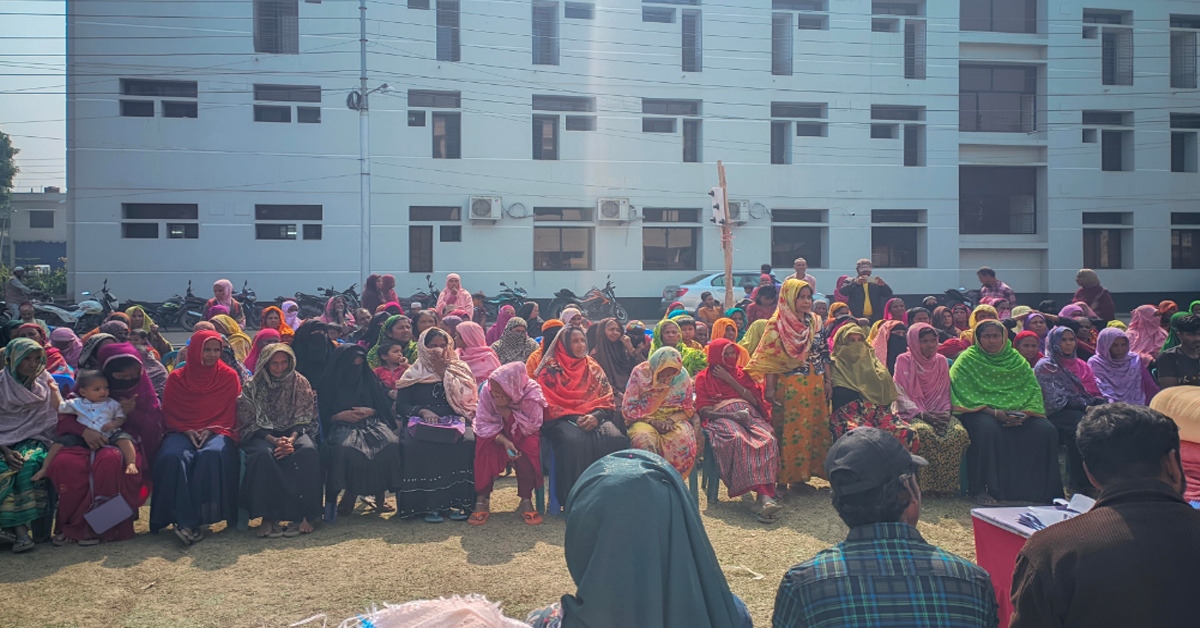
(555, 143)
(37, 234)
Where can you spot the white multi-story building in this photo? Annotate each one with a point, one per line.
(37, 229)
(518, 139)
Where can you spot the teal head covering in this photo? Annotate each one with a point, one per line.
(1173, 331)
(694, 360)
(666, 574)
(410, 350)
(741, 326)
(16, 351)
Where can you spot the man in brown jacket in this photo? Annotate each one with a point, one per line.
(1134, 559)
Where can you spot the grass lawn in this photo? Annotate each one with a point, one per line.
(234, 579)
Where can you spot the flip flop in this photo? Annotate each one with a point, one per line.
(23, 545)
(183, 536)
(532, 518)
(769, 509)
(60, 540)
(276, 532)
(762, 519)
(88, 542)
(433, 517)
(291, 532)
(8, 537)
(458, 515)
(478, 518)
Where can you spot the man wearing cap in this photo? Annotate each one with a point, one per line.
(15, 292)
(867, 296)
(884, 573)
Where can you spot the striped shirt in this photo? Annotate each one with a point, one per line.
(885, 574)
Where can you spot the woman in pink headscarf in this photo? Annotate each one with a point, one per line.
(838, 297)
(223, 295)
(475, 351)
(1146, 335)
(508, 426)
(454, 297)
(263, 338)
(497, 330)
(68, 344)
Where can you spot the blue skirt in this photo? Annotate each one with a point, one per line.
(195, 487)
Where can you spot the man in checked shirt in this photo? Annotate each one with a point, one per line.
(993, 287)
(884, 573)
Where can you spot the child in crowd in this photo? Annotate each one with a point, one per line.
(394, 365)
(95, 410)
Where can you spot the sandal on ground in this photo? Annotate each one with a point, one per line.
(762, 519)
(23, 545)
(276, 532)
(434, 517)
(478, 518)
(290, 532)
(459, 515)
(197, 534)
(183, 535)
(769, 509)
(88, 542)
(7, 537)
(60, 540)
(532, 518)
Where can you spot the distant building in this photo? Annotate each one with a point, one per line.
(557, 142)
(39, 229)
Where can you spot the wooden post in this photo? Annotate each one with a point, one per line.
(726, 238)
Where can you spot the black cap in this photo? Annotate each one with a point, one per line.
(874, 456)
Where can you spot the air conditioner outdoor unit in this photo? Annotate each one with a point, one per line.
(613, 209)
(486, 208)
(738, 210)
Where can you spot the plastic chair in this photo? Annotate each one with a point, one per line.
(712, 473)
(552, 505)
(64, 382)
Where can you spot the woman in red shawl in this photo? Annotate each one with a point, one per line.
(128, 384)
(198, 465)
(736, 420)
(580, 419)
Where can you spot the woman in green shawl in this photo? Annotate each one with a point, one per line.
(28, 417)
(753, 336)
(669, 578)
(863, 390)
(399, 329)
(668, 334)
(1014, 450)
(738, 316)
(1173, 331)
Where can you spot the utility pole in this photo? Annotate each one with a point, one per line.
(364, 150)
(726, 236)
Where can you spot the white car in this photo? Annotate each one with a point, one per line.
(689, 291)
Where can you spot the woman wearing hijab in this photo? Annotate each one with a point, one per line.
(223, 296)
(792, 361)
(669, 578)
(1146, 336)
(277, 420)
(265, 336)
(1121, 375)
(139, 319)
(895, 310)
(372, 294)
(549, 332)
(668, 334)
(749, 342)
(475, 351)
(890, 342)
(1026, 343)
(1068, 389)
(660, 412)
(454, 297)
(508, 426)
(838, 297)
(922, 381)
(357, 421)
(1094, 295)
(68, 344)
(514, 344)
(399, 330)
(572, 317)
(28, 415)
(581, 420)
(839, 315)
(1172, 339)
(313, 350)
(1014, 449)
(738, 316)
(614, 352)
(1037, 324)
(339, 320)
(56, 364)
(87, 354)
(961, 315)
(370, 336)
(241, 343)
(274, 318)
(982, 312)
(439, 394)
(291, 314)
(736, 420)
(703, 335)
(497, 328)
(196, 472)
(1166, 310)
(129, 383)
(533, 324)
(387, 289)
(863, 391)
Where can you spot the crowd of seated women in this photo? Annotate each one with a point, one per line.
(314, 418)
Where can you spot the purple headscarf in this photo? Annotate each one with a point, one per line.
(1119, 380)
(71, 352)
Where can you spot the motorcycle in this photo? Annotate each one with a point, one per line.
(83, 317)
(597, 303)
(311, 306)
(249, 304)
(956, 296)
(426, 299)
(514, 296)
(349, 295)
(182, 312)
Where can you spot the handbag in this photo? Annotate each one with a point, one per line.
(446, 429)
(105, 513)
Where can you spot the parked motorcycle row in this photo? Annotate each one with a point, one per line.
(182, 312)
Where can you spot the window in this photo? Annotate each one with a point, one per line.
(137, 108)
(418, 4)
(914, 49)
(669, 248)
(423, 213)
(895, 247)
(691, 141)
(812, 22)
(545, 137)
(998, 16)
(811, 110)
(1107, 218)
(997, 200)
(179, 109)
(1102, 248)
(799, 215)
(183, 230)
(160, 211)
(1183, 142)
(41, 219)
(434, 99)
(158, 89)
(287, 93)
(914, 134)
(1116, 45)
(545, 33)
(693, 47)
(272, 113)
(580, 11)
(448, 48)
(416, 118)
(792, 238)
(883, 216)
(308, 115)
(997, 99)
(885, 131)
(914, 145)
(661, 15)
(1116, 151)
(564, 103)
(799, 5)
(658, 125)
(665, 107)
(562, 248)
(581, 123)
(562, 214)
(288, 212)
(781, 142)
(147, 230)
(450, 233)
(1107, 118)
(277, 27)
(312, 232)
(781, 44)
(420, 249)
(1183, 51)
(447, 129)
(1185, 243)
(668, 214)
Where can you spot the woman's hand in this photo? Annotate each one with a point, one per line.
(588, 423)
(938, 419)
(13, 459)
(95, 440)
(722, 374)
(627, 343)
(284, 447)
(202, 437)
(662, 425)
(129, 405)
(428, 415)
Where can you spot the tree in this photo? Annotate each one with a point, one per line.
(8, 171)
